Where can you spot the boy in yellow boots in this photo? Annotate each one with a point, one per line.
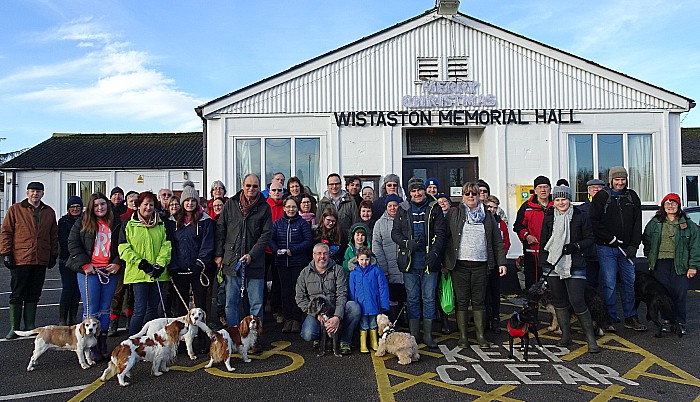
(368, 287)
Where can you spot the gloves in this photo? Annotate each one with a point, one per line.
(420, 240)
(631, 251)
(146, 267)
(9, 261)
(199, 266)
(52, 262)
(431, 259)
(157, 271)
(570, 248)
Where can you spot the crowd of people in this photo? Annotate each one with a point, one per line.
(146, 255)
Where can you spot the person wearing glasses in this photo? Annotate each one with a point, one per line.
(242, 233)
(528, 224)
(162, 210)
(218, 191)
(420, 232)
(275, 200)
(339, 200)
(390, 185)
(474, 250)
(307, 209)
(70, 295)
(484, 193)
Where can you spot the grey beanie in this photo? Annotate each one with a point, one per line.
(561, 192)
(188, 191)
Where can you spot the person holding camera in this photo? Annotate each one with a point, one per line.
(144, 245)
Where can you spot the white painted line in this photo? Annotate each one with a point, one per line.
(40, 305)
(43, 290)
(17, 339)
(41, 393)
(52, 279)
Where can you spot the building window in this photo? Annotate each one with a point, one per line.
(87, 188)
(293, 156)
(691, 191)
(458, 68)
(592, 156)
(437, 141)
(427, 69)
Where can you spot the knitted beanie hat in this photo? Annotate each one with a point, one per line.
(416, 183)
(75, 200)
(561, 192)
(393, 197)
(432, 181)
(116, 190)
(542, 180)
(672, 197)
(188, 191)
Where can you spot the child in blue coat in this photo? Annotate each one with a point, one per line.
(369, 288)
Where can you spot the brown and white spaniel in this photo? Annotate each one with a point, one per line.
(241, 338)
(195, 319)
(79, 338)
(156, 348)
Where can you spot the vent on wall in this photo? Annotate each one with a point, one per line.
(427, 68)
(458, 68)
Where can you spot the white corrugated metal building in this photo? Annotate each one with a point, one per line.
(451, 97)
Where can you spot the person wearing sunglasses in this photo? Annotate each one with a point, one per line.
(475, 249)
(390, 185)
(242, 233)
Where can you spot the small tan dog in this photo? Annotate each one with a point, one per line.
(399, 344)
(79, 338)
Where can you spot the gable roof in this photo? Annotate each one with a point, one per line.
(690, 145)
(343, 79)
(112, 151)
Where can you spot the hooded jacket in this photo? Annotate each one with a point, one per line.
(237, 235)
(347, 212)
(379, 205)
(369, 288)
(190, 243)
(292, 234)
(351, 250)
(81, 245)
(435, 234)
(30, 242)
(138, 242)
(385, 249)
(529, 222)
(331, 284)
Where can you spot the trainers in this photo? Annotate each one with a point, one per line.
(633, 323)
(610, 328)
(681, 330)
(345, 349)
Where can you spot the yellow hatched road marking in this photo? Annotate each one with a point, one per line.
(612, 392)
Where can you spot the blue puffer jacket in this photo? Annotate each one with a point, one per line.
(369, 288)
(192, 242)
(293, 234)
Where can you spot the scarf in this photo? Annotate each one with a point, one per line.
(561, 235)
(476, 216)
(246, 204)
(148, 223)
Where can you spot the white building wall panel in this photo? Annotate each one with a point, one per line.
(377, 77)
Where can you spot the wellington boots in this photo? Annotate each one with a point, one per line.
(113, 327)
(564, 319)
(373, 339)
(479, 325)
(103, 353)
(15, 318)
(414, 328)
(445, 327)
(587, 324)
(63, 309)
(29, 316)
(428, 334)
(462, 324)
(363, 341)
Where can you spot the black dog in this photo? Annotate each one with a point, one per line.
(320, 305)
(650, 291)
(599, 310)
(524, 322)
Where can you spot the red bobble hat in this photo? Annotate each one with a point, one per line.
(672, 197)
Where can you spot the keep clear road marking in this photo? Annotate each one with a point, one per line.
(42, 393)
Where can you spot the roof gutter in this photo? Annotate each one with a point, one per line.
(199, 111)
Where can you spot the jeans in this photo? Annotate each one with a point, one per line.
(254, 290)
(611, 261)
(676, 285)
(98, 299)
(368, 322)
(311, 327)
(420, 286)
(147, 298)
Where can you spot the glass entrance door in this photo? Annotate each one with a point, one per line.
(452, 173)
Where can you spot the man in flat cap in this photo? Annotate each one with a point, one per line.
(29, 245)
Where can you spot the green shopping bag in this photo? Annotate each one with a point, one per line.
(447, 298)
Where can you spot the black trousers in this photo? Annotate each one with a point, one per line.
(288, 281)
(184, 283)
(533, 273)
(493, 294)
(26, 282)
(469, 283)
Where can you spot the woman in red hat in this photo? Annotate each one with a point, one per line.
(671, 245)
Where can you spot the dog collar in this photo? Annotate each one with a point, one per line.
(387, 330)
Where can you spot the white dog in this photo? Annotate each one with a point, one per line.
(79, 338)
(156, 348)
(194, 319)
(399, 344)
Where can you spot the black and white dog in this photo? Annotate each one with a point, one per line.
(320, 305)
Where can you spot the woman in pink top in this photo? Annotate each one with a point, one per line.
(92, 245)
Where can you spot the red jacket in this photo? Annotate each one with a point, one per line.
(277, 208)
(504, 233)
(529, 222)
(210, 207)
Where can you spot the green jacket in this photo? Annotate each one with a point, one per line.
(137, 242)
(686, 247)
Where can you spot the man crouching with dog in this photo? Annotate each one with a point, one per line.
(322, 277)
(566, 232)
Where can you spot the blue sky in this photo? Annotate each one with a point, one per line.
(84, 66)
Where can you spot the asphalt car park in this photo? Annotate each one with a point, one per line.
(633, 366)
